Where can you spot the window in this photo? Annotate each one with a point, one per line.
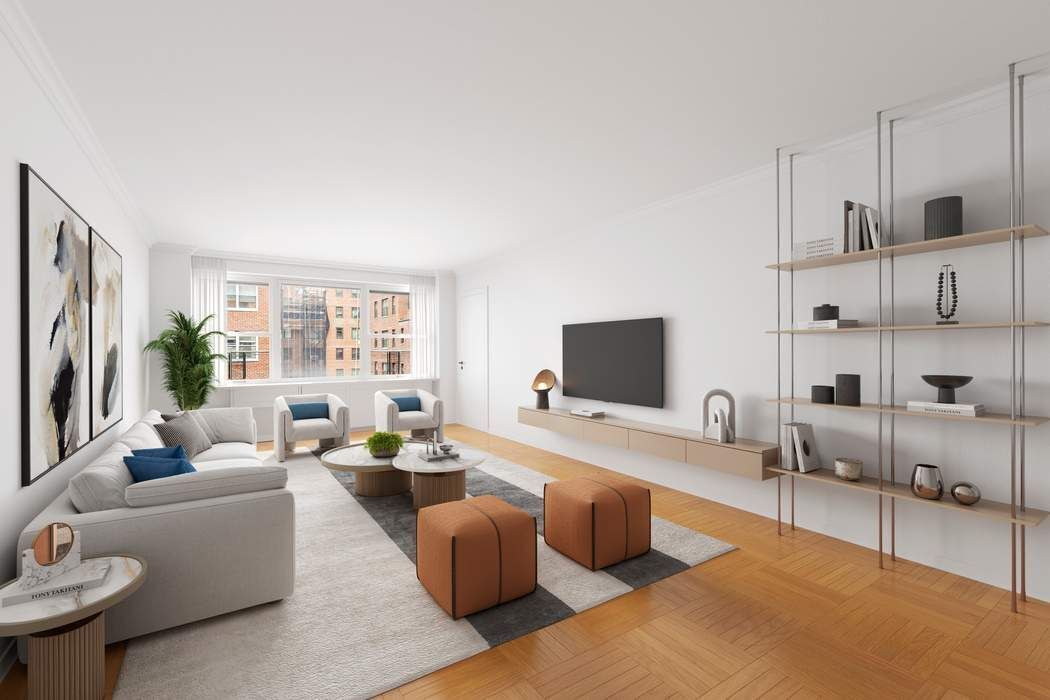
(390, 333)
(355, 372)
(355, 353)
(311, 343)
(238, 343)
(249, 332)
(242, 297)
(355, 312)
(375, 309)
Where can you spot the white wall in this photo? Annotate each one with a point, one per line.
(699, 262)
(32, 131)
(170, 275)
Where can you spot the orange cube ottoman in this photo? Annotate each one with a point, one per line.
(476, 553)
(597, 523)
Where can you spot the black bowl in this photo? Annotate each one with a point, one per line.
(946, 385)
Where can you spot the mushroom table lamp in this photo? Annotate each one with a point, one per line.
(542, 385)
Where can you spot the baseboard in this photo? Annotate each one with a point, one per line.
(8, 656)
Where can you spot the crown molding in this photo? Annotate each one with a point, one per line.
(16, 25)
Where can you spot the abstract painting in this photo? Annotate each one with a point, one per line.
(55, 272)
(107, 351)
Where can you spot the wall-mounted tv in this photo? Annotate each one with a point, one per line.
(617, 361)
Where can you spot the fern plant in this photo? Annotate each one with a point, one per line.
(189, 362)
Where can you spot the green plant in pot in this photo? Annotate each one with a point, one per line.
(384, 444)
(188, 359)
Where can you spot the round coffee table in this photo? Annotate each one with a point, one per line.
(440, 481)
(373, 476)
(67, 633)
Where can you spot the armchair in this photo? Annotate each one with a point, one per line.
(428, 419)
(330, 431)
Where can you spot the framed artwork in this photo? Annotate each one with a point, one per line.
(55, 280)
(107, 347)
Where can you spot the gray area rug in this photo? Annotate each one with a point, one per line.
(359, 622)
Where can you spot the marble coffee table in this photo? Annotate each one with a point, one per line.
(67, 632)
(440, 481)
(373, 476)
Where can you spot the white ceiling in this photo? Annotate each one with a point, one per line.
(430, 134)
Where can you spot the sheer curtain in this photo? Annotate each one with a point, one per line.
(422, 300)
(208, 298)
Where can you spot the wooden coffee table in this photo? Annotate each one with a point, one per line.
(437, 482)
(373, 476)
(67, 633)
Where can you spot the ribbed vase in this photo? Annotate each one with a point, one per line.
(943, 217)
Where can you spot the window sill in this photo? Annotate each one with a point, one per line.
(228, 384)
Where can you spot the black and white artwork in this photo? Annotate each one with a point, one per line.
(107, 351)
(55, 272)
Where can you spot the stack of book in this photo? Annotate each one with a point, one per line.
(831, 323)
(860, 227)
(819, 248)
(947, 409)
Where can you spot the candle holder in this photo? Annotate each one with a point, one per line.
(542, 385)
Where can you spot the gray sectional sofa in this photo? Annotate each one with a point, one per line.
(214, 541)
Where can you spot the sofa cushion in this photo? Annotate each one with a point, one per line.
(206, 484)
(309, 428)
(227, 450)
(312, 409)
(407, 403)
(227, 424)
(101, 484)
(407, 420)
(227, 463)
(142, 435)
(183, 430)
(150, 468)
(176, 452)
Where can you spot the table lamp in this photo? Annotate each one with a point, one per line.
(542, 385)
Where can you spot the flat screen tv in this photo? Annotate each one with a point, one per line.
(616, 361)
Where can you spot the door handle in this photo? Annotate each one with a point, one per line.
(461, 364)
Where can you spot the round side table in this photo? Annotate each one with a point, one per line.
(373, 476)
(440, 481)
(67, 633)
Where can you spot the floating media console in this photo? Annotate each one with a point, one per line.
(747, 458)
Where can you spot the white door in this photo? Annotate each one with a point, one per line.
(472, 368)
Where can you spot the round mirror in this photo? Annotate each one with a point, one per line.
(52, 544)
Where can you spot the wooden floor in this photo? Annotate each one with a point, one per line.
(801, 615)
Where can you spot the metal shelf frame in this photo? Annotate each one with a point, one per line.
(885, 328)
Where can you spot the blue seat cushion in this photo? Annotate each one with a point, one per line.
(149, 468)
(408, 403)
(302, 411)
(173, 452)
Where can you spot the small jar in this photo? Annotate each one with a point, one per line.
(848, 469)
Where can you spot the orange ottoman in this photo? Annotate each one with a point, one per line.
(596, 523)
(473, 554)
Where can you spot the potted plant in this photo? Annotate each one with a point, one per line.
(384, 444)
(189, 360)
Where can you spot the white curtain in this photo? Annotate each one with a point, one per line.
(422, 299)
(208, 298)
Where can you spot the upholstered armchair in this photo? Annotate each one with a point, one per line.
(323, 417)
(410, 409)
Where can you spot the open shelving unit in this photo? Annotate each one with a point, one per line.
(886, 487)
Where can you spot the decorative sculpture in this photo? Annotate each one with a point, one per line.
(723, 428)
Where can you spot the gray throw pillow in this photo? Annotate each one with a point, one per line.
(196, 415)
(184, 430)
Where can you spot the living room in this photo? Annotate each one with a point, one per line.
(466, 350)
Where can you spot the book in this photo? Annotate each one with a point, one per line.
(834, 323)
(90, 574)
(872, 217)
(947, 409)
(805, 447)
(788, 460)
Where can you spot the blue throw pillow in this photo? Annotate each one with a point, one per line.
(408, 403)
(174, 452)
(301, 411)
(148, 468)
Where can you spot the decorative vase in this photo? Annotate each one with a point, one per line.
(926, 482)
(820, 393)
(943, 217)
(381, 454)
(848, 469)
(946, 385)
(847, 389)
(825, 312)
(965, 493)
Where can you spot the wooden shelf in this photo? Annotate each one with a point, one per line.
(997, 418)
(964, 241)
(985, 507)
(916, 327)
